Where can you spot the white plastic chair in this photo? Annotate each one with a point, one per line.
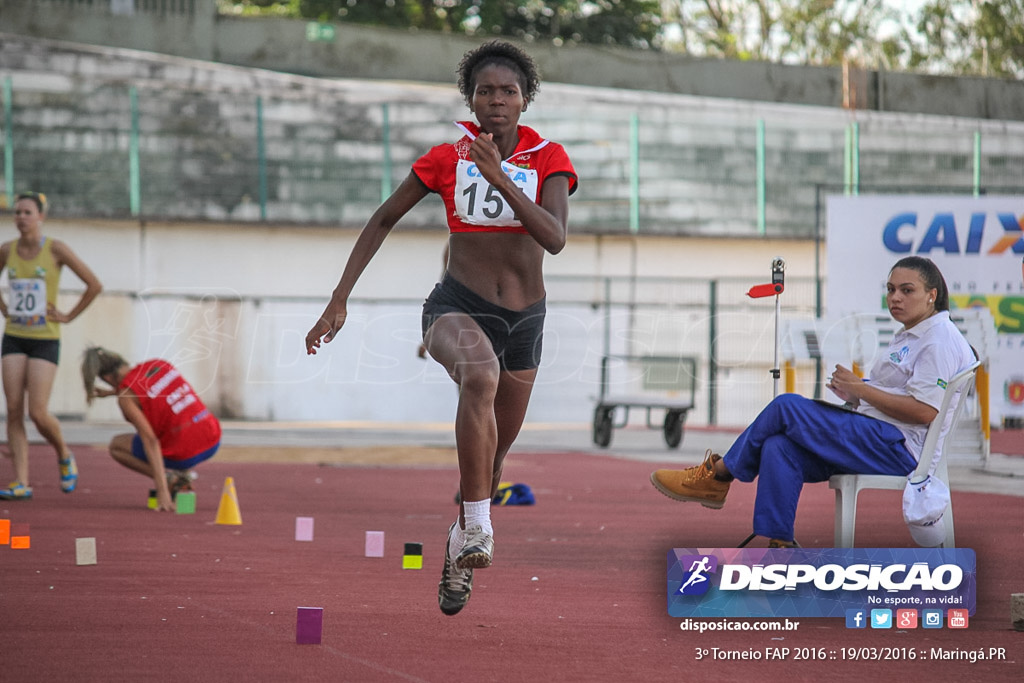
(848, 486)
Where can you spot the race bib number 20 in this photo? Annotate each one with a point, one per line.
(28, 300)
(477, 202)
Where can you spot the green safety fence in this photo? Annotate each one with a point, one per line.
(141, 151)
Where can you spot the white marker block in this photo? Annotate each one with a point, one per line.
(1017, 611)
(375, 544)
(303, 528)
(85, 551)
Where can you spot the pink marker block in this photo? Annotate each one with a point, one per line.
(375, 544)
(309, 626)
(303, 528)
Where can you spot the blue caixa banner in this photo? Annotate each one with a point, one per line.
(822, 582)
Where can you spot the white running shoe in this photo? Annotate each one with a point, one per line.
(456, 584)
(477, 551)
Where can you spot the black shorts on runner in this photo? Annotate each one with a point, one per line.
(45, 349)
(515, 336)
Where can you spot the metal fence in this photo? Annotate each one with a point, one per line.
(223, 152)
(242, 350)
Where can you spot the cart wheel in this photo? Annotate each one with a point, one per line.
(673, 429)
(603, 426)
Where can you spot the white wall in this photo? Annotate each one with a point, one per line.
(231, 304)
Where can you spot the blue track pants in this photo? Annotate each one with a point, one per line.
(796, 440)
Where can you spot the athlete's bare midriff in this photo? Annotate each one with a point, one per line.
(507, 269)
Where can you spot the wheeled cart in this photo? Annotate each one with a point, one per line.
(661, 385)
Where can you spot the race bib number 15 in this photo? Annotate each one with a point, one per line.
(477, 202)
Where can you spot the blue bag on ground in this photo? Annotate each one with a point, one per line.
(508, 494)
(513, 494)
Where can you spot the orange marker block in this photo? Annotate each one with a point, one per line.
(19, 536)
(5, 531)
(22, 542)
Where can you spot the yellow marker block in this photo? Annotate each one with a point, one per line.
(227, 511)
(5, 531)
(412, 558)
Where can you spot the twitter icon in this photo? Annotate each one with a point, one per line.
(881, 618)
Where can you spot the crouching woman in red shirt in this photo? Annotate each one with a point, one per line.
(174, 430)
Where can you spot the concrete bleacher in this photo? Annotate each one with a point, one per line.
(332, 146)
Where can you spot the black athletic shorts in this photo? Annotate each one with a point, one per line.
(46, 349)
(516, 336)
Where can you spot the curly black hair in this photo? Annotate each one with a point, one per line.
(500, 53)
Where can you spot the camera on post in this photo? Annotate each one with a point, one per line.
(776, 286)
(779, 272)
(773, 288)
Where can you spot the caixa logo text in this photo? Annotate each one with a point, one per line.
(831, 577)
(943, 233)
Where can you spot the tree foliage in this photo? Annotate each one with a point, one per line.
(630, 23)
(633, 23)
(796, 31)
(984, 37)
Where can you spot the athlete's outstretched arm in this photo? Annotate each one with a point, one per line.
(408, 194)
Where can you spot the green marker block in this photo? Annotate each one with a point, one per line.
(185, 502)
(152, 503)
(412, 557)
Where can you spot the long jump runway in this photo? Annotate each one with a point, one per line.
(577, 591)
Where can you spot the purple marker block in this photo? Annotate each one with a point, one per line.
(303, 528)
(309, 626)
(374, 544)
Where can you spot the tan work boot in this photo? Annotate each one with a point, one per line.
(695, 484)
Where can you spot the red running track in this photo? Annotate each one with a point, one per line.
(577, 592)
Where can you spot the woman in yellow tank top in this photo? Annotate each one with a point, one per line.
(31, 343)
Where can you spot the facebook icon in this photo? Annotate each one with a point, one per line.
(856, 618)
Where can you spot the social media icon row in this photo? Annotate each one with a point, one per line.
(905, 618)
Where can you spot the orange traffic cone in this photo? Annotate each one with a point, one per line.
(227, 511)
